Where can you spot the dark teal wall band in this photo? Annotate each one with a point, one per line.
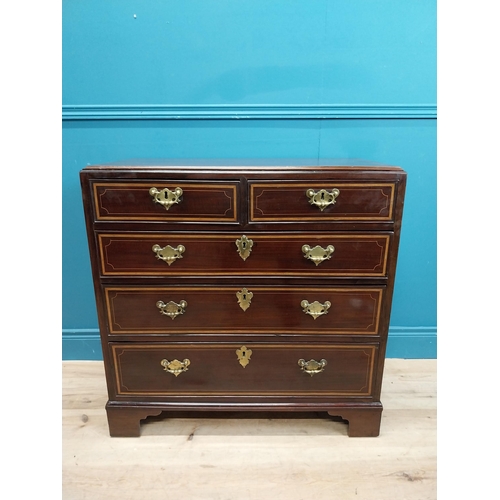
(241, 112)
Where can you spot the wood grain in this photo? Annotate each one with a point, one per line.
(129, 292)
(290, 456)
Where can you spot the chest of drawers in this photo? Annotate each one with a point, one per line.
(243, 287)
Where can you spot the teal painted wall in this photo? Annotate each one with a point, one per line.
(321, 78)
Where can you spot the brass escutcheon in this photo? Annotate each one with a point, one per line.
(244, 355)
(175, 367)
(322, 198)
(312, 366)
(169, 254)
(244, 298)
(315, 309)
(244, 246)
(171, 309)
(165, 197)
(318, 254)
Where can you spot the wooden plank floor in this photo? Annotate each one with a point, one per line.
(263, 456)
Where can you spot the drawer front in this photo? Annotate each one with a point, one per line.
(236, 310)
(244, 370)
(140, 201)
(279, 201)
(264, 254)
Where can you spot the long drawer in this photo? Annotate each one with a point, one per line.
(174, 201)
(232, 310)
(244, 370)
(313, 201)
(161, 254)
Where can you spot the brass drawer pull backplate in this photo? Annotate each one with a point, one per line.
(175, 367)
(322, 198)
(315, 309)
(165, 197)
(318, 254)
(169, 254)
(171, 309)
(312, 366)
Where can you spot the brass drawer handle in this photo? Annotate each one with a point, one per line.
(165, 197)
(175, 367)
(322, 198)
(315, 309)
(312, 366)
(318, 254)
(169, 254)
(171, 309)
(244, 246)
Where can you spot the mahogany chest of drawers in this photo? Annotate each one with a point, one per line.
(243, 287)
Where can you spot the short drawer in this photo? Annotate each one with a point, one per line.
(320, 202)
(360, 255)
(166, 201)
(235, 310)
(244, 369)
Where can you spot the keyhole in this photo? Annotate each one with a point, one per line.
(322, 196)
(244, 245)
(243, 354)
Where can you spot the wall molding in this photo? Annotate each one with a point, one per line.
(245, 111)
(404, 342)
(412, 342)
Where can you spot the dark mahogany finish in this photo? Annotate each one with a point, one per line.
(213, 310)
(131, 201)
(359, 201)
(192, 359)
(273, 370)
(272, 254)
